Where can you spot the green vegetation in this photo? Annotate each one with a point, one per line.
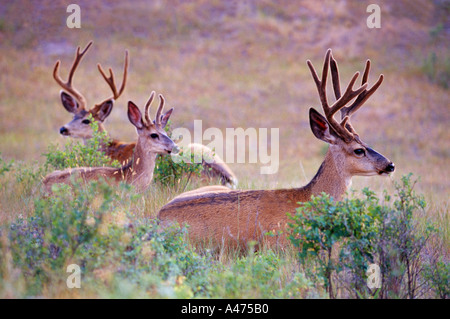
(126, 256)
(123, 254)
(176, 174)
(78, 154)
(338, 241)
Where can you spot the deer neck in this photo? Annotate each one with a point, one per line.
(142, 167)
(330, 178)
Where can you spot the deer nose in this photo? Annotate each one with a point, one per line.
(63, 131)
(390, 168)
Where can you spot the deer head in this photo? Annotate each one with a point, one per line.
(152, 138)
(352, 155)
(75, 103)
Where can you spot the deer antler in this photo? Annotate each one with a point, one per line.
(68, 84)
(110, 79)
(341, 101)
(157, 120)
(159, 111)
(361, 99)
(147, 109)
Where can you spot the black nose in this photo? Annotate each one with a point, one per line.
(390, 168)
(63, 131)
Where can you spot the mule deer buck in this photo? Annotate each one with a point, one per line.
(74, 102)
(234, 217)
(80, 127)
(152, 140)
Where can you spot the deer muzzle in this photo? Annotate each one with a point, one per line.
(64, 131)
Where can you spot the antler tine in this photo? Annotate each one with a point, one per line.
(111, 81)
(335, 78)
(361, 98)
(68, 84)
(348, 95)
(366, 72)
(147, 108)
(160, 109)
(364, 96)
(321, 84)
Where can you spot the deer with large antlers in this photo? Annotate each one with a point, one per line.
(152, 140)
(75, 103)
(218, 215)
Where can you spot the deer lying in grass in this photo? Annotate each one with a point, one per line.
(152, 140)
(80, 127)
(75, 103)
(218, 215)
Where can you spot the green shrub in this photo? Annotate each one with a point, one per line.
(340, 239)
(5, 166)
(169, 173)
(438, 273)
(265, 274)
(76, 226)
(322, 223)
(78, 154)
(46, 241)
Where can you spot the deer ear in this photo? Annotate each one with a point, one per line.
(165, 117)
(102, 111)
(134, 115)
(69, 102)
(320, 127)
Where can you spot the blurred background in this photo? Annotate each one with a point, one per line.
(238, 64)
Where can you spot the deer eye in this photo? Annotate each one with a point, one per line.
(359, 151)
(154, 135)
(86, 122)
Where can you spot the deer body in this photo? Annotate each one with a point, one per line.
(221, 216)
(236, 217)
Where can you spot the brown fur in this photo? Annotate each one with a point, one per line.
(120, 151)
(236, 217)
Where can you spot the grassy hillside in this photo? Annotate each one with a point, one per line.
(233, 64)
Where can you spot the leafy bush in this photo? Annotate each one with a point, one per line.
(5, 166)
(341, 238)
(321, 224)
(77, 225)
(258, 275)
(170, 173)
(438, 273)
(78, 154)
(46, 241)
